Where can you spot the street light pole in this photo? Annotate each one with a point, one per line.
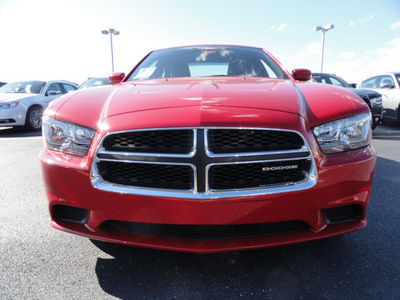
(323, 29)
(111, 31)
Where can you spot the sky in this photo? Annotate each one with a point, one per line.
(62, 39)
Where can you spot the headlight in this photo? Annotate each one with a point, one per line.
(67, 137)
(344, 134)
(9, 105)
(377, 101)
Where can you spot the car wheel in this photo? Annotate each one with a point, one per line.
(34, 118)
(398, 114)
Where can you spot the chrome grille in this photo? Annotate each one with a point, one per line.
(152, 141)
(203, 162)
(238, 140)
(161, 176)
(255, 175)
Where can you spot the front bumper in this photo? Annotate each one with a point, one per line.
(344, 180)
(13, 116)
(377, 114)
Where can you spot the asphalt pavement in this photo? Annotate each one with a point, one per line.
(39, 262)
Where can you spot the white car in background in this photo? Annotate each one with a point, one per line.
(22, 103)
(387, 84)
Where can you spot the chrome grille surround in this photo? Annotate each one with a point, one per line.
(201, 159)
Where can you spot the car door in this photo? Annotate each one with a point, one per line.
(386, 86)
(52, 92)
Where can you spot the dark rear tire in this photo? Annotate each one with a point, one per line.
(33, 119)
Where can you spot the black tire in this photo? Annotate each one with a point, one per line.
(398, 115)
(33, 119)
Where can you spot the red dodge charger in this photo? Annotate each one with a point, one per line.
(206, 149)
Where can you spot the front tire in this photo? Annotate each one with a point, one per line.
(398, 115)
(33, 119)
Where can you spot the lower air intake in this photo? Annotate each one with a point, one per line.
(70, 213)
(341, 214)
(205, 232)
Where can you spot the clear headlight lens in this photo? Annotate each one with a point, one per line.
(344, 134)
(8, 105)
(67, 137)
(377, 101)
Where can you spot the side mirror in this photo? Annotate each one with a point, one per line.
(301, 74)
(386, 86)
(354, 85)
(116, 78)
(52, 93)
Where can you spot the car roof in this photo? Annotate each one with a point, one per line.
(207, 45)
(385, 73)
(63, 81)
(324, 74)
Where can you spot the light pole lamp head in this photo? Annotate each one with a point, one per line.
(317, 28)
(329, 27)
(110, 31)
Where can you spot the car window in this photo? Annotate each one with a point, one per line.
(270, 72)
(93, 82)
(55, 87)
(318, 78)
(207, 61)
(330, 79)
(385, 80)
(68, 87)
(336, 82)
(30, 87)
(397, 78)
(369, 83)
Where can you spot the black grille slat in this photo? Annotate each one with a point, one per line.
(252, 175)
(152, 141)
(178, 177)
(205, 232)
(240, 140)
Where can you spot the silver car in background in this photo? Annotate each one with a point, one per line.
(94, 82)
(387, 84)
(22, 103)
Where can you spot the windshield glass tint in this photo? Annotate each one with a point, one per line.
(207, 61)
(25, 87)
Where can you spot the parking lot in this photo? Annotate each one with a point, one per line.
(39, 262)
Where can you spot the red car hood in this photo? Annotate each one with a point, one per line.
(316, 103)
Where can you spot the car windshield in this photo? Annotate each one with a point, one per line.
(207, 61)
(92, 82)
(25, 87)
(330, 79)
